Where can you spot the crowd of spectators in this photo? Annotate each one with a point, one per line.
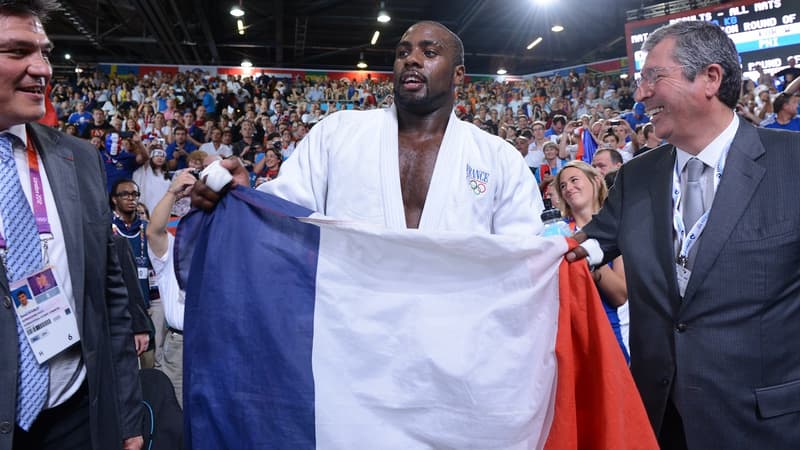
(260, 119)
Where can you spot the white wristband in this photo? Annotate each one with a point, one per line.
(215, 176)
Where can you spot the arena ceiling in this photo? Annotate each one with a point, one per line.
(332, 34)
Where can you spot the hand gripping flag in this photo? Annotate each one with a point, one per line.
(303, 334)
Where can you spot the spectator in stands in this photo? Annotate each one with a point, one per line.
(244, 147)
(153, 177)
(607, 160)
(215, 145)
(651, 141)
(637, 116)
(179, 149)
(98, 127)
(521, 144)
(81, 118)
(536, 146)
(785, 117)
(268, 167)
(556, 128)
(790, 73)
(208, 102)
(583, 191)
(194, 129)
(550, 167)
(764, 78)
(121, 157)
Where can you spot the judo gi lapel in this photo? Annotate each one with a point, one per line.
(446, 174)
(394, 215)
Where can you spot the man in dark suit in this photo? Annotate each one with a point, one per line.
(86, 396)
(715, 300)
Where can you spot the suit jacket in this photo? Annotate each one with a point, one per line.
(727, 352)
(78, 183)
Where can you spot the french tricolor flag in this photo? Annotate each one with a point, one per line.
(309, 333)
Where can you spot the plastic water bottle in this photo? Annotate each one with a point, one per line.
(554, 224)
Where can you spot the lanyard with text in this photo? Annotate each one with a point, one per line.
(37, 199)
(688, 240)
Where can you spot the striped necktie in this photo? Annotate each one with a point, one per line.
(23, 256)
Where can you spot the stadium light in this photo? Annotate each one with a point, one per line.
(502, 71)
(67, 56)
(247, 64)
(383, 15)
(375, 37)
(237, 11)
(362, 64)
(557, 29)
(534, 43)
(240, 26)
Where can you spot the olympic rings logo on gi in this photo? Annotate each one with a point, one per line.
(478, 187)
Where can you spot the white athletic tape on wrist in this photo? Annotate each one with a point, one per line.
(215, 176)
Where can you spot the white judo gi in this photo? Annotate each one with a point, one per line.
(347, 168)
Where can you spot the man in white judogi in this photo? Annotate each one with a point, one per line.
(452, 175)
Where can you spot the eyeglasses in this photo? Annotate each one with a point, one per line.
(127, 194)
(651, 75)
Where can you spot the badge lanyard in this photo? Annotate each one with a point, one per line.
(37, 199)
(690, 239)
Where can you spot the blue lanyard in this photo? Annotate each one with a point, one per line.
(688, 240)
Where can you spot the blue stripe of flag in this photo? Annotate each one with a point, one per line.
(239, 377)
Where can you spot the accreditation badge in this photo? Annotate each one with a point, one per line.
(683, 278)
(45, 314)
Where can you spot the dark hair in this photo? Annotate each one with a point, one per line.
(38, 8)
(114, 190)
(648, 129)
(560, 118)
(780, 100)
(699, 44)
(610, 133)
(613, 154)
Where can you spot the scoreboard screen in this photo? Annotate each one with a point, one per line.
(765, 32)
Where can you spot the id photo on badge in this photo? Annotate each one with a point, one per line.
(23, 300)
